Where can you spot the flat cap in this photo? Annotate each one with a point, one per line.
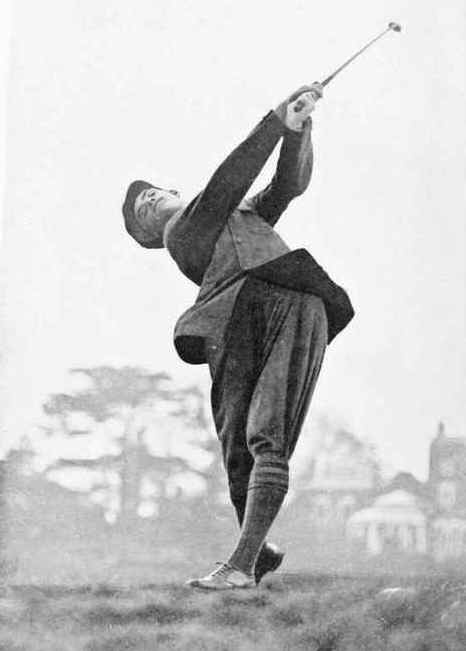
(137, 231)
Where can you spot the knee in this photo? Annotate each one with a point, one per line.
(267, 444)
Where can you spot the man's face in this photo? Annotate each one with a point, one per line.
(154, 207)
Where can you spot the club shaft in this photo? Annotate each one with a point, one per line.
(299, 105)
(358, 53)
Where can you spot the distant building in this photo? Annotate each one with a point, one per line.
(414, 517)
(447, 482)
(395, 522)
(344, 475)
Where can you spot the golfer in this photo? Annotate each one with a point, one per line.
(262, 320)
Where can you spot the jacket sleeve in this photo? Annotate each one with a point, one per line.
(292, 177)
(192, 237)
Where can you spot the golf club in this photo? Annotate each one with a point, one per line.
(392, 27)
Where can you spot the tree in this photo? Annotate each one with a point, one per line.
(131, 427)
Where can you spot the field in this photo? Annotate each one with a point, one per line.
(288, 612)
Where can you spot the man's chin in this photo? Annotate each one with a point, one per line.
(155, 243)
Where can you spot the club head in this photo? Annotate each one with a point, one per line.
(396, 27)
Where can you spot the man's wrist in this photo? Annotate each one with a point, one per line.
(295, 129)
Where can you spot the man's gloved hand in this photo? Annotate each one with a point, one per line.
(295, 110)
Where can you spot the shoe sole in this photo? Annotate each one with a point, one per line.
(218, 589)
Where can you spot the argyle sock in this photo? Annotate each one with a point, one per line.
(263, 504)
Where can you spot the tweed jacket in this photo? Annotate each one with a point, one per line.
(221, 238)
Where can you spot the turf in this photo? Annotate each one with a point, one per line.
(287, 612)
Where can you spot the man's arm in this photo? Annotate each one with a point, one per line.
(294, 167)
(192, 236)
(292, 177)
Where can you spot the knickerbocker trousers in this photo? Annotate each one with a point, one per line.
(263, 377)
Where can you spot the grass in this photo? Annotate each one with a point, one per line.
(287, 613)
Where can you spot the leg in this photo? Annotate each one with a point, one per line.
(292, 348)
(233, 368)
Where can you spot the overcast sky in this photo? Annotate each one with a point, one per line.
(100, 93)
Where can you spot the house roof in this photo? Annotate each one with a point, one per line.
(397, 507)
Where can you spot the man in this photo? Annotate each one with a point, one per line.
(262, 320)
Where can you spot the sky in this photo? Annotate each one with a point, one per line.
(99, 94)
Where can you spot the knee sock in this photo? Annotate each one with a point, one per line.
(239, 502)
(262, 505)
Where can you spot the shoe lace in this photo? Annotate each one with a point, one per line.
(223, 569)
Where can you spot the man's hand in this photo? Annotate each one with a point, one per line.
(295, 110)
